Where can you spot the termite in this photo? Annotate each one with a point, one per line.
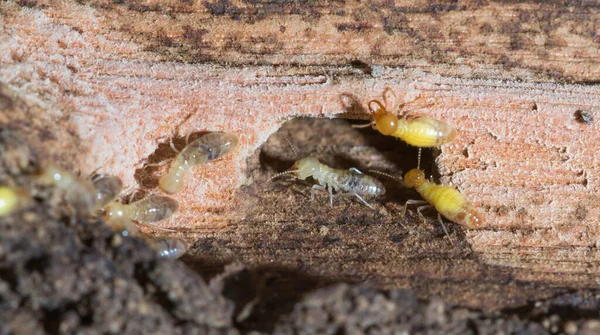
(448, 202)
(168, 247)
(153, 208)
(9, 200)
(107, 189)
(351, 181)
(418, 131)
(79, 193)
(206, 148)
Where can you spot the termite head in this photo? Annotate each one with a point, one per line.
(55, 175)
(306, 167)
(302, 169)
(384, 121)
(414, 177)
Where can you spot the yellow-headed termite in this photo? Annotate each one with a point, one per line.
(350, 181)
(449, 203)
(9, 200)
(418, 131)
(153, 208)
(206, 148)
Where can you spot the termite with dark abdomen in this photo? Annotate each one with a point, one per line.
(418, 131)
(148, 210)
(207, 148)
(351, 181)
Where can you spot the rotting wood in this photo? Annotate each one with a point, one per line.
(125, 77)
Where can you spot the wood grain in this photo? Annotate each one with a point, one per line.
(124, 77)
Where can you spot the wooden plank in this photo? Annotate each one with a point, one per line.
(124, 77)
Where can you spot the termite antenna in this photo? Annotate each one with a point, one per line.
(283, 174)
(363, 125)
(287, 138)
(419, 159)
(377, 108)
(396, 178)
(157, 227)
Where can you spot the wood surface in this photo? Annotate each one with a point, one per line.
(123, 78)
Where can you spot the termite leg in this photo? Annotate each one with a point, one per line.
(412, 202)
(329, 189)
(355, 170)
(363, 200)
(439, 219)
(444, 227)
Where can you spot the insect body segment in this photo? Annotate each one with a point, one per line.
(207, 148)
(151, 209)
(350, 181)
(107, 189)
(447, 201)
(168, 247)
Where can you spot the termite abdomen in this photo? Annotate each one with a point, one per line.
(150, 209)
(107, 189)
(206, 148)
(168, 247)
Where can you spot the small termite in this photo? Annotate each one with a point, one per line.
(78, 193)
(153, 208)
(448, 202)
(168, 247)
(350, 181)
(206, 148)
(107, 189)
(9, 200)
(418, 131)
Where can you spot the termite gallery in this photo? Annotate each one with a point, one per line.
(352, 181)
(418, 131)
(206, 148)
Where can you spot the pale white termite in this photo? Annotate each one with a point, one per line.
(108, 188)
(350, 181)
(153, 208)
(205, 149)
(79, 194)
(168, 247)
